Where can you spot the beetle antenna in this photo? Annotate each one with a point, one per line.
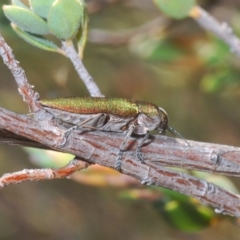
(176, 134)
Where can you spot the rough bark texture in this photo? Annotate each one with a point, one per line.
(102, 148)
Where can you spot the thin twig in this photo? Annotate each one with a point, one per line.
(24, 88)
(221, 30)
(102, 148)
(42, 174)
(81, 70)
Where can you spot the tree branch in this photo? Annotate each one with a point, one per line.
(102, 148)
(42, 130)
(221, 30)
(42, 174)
(24, 88)
(81, 70)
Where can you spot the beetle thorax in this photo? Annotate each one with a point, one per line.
(150, 118)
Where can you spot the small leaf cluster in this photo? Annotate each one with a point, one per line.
(65, 19)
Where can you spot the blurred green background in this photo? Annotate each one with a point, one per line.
(176, 65)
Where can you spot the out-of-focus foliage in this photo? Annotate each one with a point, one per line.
(181, 212)
(47, 158)
(175, 8)
(184, 213)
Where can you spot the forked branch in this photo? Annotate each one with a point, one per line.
(39, 129)
(102, 148)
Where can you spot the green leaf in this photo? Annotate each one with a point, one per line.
(220, 79)
(19, 3)
(166, 51)
(65, 17)
(41, 8)
(176, 8)
(35, 40)
(26, 20)
(213, 52)
(183, 213)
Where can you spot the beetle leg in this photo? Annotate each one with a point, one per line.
(138, 151)
(82, 124)
(122, 146)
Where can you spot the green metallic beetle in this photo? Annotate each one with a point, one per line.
(111, 114)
